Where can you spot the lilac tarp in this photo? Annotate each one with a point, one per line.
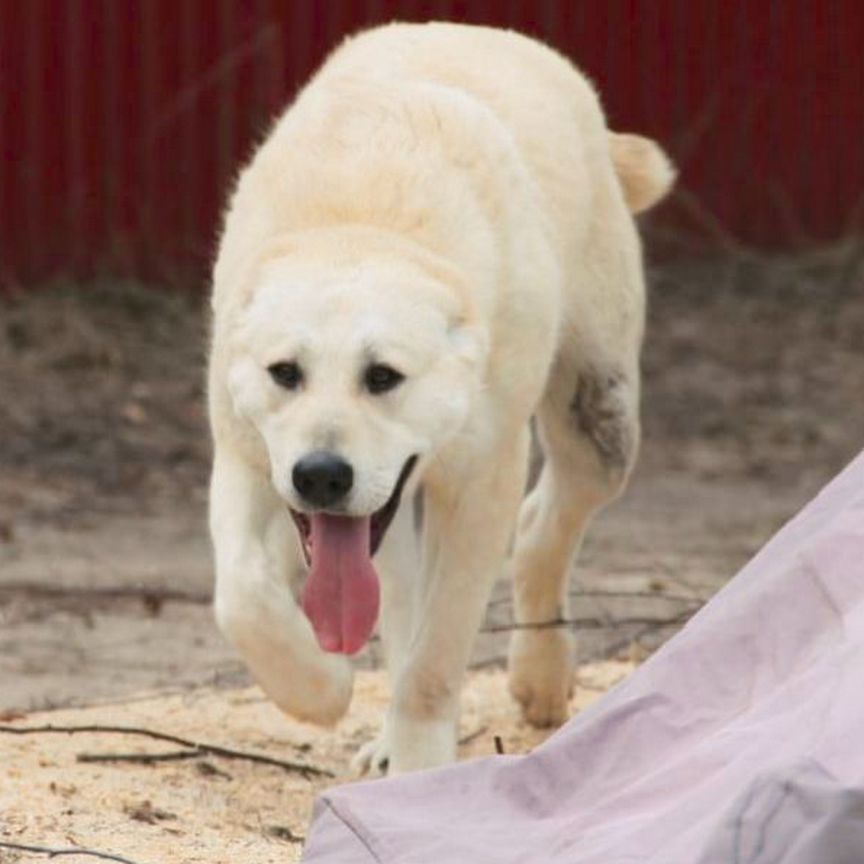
(740, 742)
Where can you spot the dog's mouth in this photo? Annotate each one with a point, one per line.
(379, 521)
(341, 594)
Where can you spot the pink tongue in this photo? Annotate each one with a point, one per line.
(341, 593)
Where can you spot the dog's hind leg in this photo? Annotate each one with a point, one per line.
(589, 430)
(257, 555)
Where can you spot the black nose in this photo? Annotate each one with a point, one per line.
(322, 478)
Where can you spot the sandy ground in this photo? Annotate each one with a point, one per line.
(213, 809)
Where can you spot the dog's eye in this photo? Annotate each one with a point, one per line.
(380, 378)
(286, 374)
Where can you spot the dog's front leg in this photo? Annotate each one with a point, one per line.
(469, 521)
(256, 556)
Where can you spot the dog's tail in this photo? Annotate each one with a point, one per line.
(645, 172)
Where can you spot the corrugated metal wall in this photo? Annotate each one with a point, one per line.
(121, 121)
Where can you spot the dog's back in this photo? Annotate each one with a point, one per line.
(550, 108)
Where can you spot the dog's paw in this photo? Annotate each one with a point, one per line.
(406, 745)
(373, 758)
(540, 671)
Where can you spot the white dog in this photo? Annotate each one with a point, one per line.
(433, 246)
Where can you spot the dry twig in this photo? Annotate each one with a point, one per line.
(139, 758)
(71, 850)
(580, 594)
(303, 768)
(91, 592)
(472, 736)
(588, 623)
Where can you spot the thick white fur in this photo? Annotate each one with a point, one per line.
(448, 200)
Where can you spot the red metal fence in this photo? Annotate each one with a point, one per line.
(122, 121)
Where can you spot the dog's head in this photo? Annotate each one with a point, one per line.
(352, 373)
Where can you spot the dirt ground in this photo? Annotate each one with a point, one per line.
(752, 400)
(212, 809)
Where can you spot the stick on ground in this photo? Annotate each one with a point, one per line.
(302, 768)
(139, 758)
(71, 850)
